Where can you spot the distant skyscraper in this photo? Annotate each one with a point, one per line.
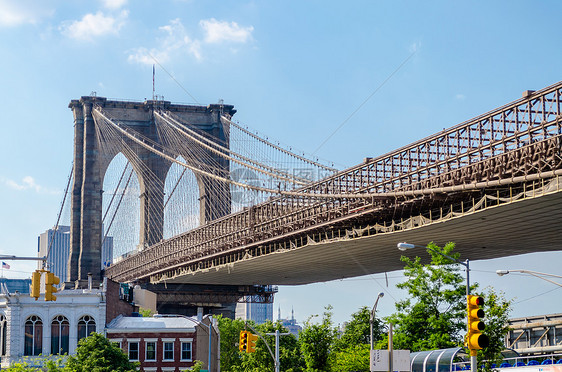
(258, 312)
(13, 285)
(290, 324)
(57, 259)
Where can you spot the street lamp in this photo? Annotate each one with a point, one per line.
(372, 318)
(405, 246)
(533, 273)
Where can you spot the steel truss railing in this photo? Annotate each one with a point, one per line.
(516, 142)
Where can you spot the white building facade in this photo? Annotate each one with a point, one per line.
(29, 327)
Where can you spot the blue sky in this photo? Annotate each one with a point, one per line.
(294, 70)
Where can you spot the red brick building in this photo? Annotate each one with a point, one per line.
(166, 342)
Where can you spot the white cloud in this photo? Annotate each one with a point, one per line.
(94, 25)
(460, 96)
(175, 41)
(217, 31)
(28, 183)
(18, 12)
(114, 4)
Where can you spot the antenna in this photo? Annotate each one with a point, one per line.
(153, 74)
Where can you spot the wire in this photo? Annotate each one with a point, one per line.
(173, 78)
(540, 294)
(364, 102)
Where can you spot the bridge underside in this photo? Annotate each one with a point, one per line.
(532, 224)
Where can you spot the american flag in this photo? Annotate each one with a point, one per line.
(5, 265)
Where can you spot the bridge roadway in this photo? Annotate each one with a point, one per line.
(524, 226)
(492, 185)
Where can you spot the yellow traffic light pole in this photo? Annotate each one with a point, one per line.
(248, 340)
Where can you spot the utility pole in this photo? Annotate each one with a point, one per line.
(277, 334)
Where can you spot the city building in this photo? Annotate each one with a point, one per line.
(258, 312)
(14, 285)
(56, 246)
(290, 324)
(37, 329)
(166, 342)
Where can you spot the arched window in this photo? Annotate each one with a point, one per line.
(86, 325)
(59, 335)
(33, 336)
(3, 329)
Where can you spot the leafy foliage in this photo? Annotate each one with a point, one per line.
(31, 364)
(93, 354)
(97, 353)
(231, 358)
(358, 330)
(434, 314)
(261, 360)
(146, 313)
(316, 342)
(352, 358)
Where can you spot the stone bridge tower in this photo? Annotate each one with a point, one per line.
(92, 158)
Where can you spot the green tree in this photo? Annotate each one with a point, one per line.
(316, 342)
(30, 363)
(351, 350)
(352, 358)
(433, 316)
(197, 366)
(97, 354)
(496, 310)
(358, 330)
(145, 312)
(262, 360)
(231, 358)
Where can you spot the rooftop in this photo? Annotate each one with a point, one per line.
(168, 322)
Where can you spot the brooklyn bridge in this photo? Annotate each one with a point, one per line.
(219, 205)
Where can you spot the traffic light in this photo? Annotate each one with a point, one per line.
(475, 340)
(36, 284)
(50, 281)
(252, 339)
(243, 344)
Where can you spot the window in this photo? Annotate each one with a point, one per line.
(133, 350)
(3, 329)
(168, 350)
(150, 350)
(86, 325)
(33, 336)
(116, 342)
(186, 351)
(60, 330)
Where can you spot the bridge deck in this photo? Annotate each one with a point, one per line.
(496, 231)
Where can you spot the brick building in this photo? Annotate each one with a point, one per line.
(166, 342)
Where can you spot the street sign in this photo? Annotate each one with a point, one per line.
(380, 359)
(401, 360)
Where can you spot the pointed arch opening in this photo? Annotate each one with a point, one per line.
(120, 210)
(181, 200)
